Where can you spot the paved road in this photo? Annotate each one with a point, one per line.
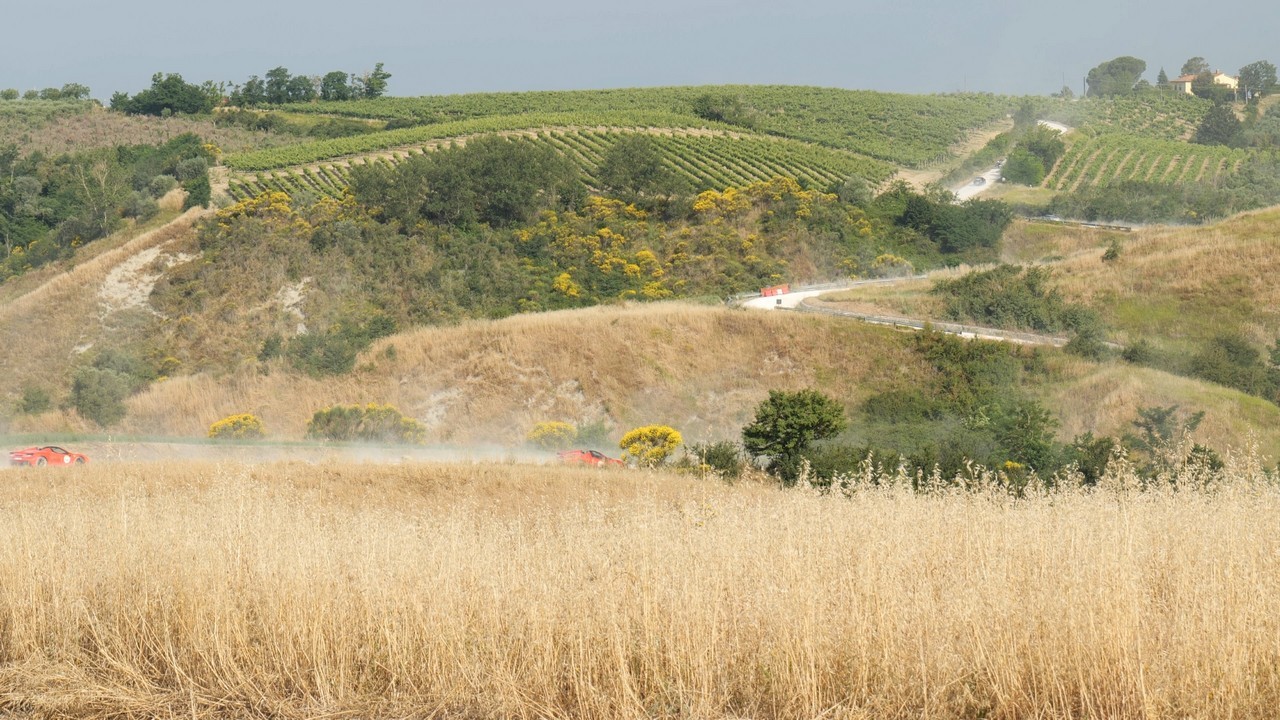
(796, 301)
(991, 175)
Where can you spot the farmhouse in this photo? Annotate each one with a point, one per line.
(1183, 84)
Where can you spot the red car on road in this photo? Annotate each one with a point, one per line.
(588, 457)
(47, 455)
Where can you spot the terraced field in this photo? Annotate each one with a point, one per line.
(1165, 116)
(707, 159)
(907, 130)
(1116, 157)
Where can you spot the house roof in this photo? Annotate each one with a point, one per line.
(1192, 78)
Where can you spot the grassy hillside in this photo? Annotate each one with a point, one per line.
(705, 159)
(700, 368)
(902, 129)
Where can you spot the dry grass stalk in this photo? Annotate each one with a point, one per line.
(293, 590)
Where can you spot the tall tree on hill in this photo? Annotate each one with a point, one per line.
(278, 85)
(301, 89)
(634, 166)
(335, 86)
(1219, 127)
(375, 83)
(1195, 66)
(1162, 79)
(1115, 77)
(1259, 77)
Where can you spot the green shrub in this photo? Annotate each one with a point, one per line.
(35, 400)
(724, 458)
(98, 395)
(371, 423)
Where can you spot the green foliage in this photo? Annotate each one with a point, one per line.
(650, 445)
(370, 423)
(634, 166)
(1090, 455)
(333, 351)
(972, 229)
(909, 129)
(1194, 66)
(244, 426)
(34, 400)
(787, 424)
(490, 180)
(1258, 77)
(1045, 143)
(199, 192)
(593, 433)
(160, 185)
(552, 435)
(1230, 359)
(730, 109)
(167, 95)
(1023, 168)
(49, 207)
(1008, 296)
(1115, 77)
(724, 458)
(1219, 127)
(1113, 251)
(98, 395)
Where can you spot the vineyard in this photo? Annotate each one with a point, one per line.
(1116, 157)
(706, 159)
(910, 130)
(1160, 115)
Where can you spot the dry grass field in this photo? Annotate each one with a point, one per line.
(292, 590)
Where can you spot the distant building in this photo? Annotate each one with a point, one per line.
(1183, 84)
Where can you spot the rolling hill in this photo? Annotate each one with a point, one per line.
(701, 367)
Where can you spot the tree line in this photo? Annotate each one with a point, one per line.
(169, 93)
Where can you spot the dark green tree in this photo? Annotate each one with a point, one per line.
(74, 91)
(335, 86)
(277, 86)
(1115, 77)
(168, 94)
(9, 94)
(1219, 127)
(1258, 77)
(1162, 79)
(301, 89)
(786, 425)
(1195, 66)
(374, 84)
(634, 166)
(1023, 167)
(251, 94)
(98, 395)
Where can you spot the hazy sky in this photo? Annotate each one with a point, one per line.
(916, 46)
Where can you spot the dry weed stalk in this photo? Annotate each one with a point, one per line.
(294, 590)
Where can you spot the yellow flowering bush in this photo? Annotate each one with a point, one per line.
(650, 445)
(244, 426)
(552, 435)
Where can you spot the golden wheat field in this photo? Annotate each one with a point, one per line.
(346, 590)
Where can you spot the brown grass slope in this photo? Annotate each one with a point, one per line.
(49, 319)
(1184, 284)
(701, 369)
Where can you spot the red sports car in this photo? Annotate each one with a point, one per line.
(47, 455)
(588, 457)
